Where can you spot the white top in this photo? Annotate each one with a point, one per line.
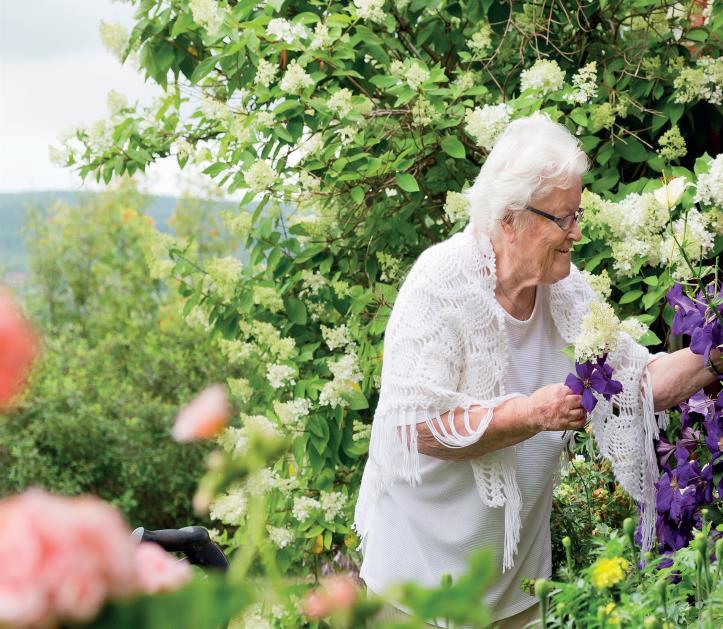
(419, 533)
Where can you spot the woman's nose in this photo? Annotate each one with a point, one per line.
(575, 232)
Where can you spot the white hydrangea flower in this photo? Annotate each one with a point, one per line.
(290, 413)
(332, 504)
(260, 176)
(238, 225)
(183, 147)
(283, 30)
(278, 375)
(487, 123)
(416, 75)
(235, 350)
(340, 102)
(389, 265)
(240, 388)
(598, 332)
(634, 328)
(601, 283)
(543, 77)
(702, 82)
(266, 335)
(267, 297)
(346, 375)
(225, 274)
(100, 136)
(584, 83)
(465, 81)
(312, 281)
(710, 184)
(481, 41)
(58, 156)
(303, 507)
(370, 10)
(361, 430)
(626, 253)
(282, 537)
(424, 112)
(322, 38)
(114, 37)
(337, 337)
(230, 507)
(207, 13)
(692, 234)
(116, 102)
(295, 79)
(265, 72)
(456, 207)
(197, 319)
(396, 68)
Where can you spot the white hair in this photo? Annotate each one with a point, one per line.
(533, 156)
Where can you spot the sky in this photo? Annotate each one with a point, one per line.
(55, 74)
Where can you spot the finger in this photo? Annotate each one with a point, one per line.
(574, 400)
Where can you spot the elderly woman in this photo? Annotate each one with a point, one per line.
(469, 428)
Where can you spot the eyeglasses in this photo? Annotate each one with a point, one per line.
(563, 222)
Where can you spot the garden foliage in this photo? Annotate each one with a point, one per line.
(358, 126)
(117, 361)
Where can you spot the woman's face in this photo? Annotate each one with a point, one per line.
(540, 246)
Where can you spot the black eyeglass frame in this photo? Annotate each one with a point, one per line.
(558, 220)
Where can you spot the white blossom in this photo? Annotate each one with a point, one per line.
(416, 75)
(240, 388)
(481, 41)
(456, 207)
(265, 72)
(283, 30)
(332, 503)
(634, 328)
(278, 375)
(259, 176)
(340, 102)
(116, 102)
(584, 83)
(303, 507)
(230, 507)
(114, 37)
(543, 77)
(207, 13)
(295, 79)
(601, 284)
(290, 413)
(282, 537)
(487, 123)
(225, 274)
(337, 337)
(322, 38)
(361, 430)
(710, 184)
(598, 332)
(370, 10)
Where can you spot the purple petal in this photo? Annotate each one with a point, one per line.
(574, 383)
(589, 401)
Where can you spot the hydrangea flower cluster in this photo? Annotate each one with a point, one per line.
(671, 145)
(485, 124)
(265, 72)
(481, 41)
(702, 82)
(114, 37)
(543, 77)
(456, 207)
(710, 184)
(372, 10)
(295, 79)
(282, 30)
(584, 83)
(208, 14)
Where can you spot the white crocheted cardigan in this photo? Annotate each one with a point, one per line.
(445, 347)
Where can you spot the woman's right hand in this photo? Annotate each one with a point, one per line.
(556, 407)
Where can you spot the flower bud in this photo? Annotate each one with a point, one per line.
(629, 527)
(542, 588)
(566, 542)
(650, 622)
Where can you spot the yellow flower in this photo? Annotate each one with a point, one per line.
(611, 618)
(607, 572)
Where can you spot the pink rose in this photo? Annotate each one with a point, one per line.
(159, 571)
(336, 593)
(204, 417)
(18, 347)
(61, 558)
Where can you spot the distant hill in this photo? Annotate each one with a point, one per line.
(14, 208)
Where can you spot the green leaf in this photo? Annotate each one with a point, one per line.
(407, 182)
(356, 399)
(631, 296)
(453, 147)
(651, 280)
(295, 310)
(203, 68)
(357, 194)
(649, 338)
(632, 150)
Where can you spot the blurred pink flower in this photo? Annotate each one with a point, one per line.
(336, 593)
(18, 346)
(204, 417)
(60, 558)
(159, 571)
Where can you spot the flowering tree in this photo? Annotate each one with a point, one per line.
(354, 128)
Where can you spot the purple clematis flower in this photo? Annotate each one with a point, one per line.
(699, 404)
(612, 387)
(688, 314)
(664, 449)
(714, 435)
(587, 379)
(707, 337)
(675, 497)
